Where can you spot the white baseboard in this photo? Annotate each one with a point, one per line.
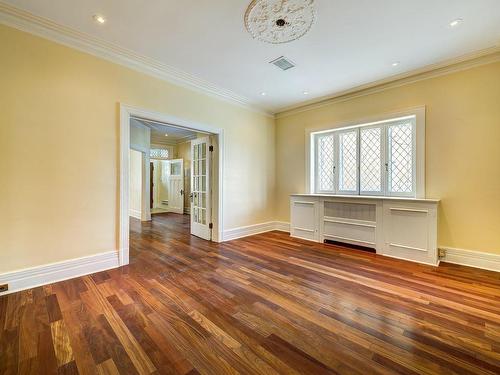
(282, 226)
(50, 273)
(135, 213)
(477, 259)
(250, 230)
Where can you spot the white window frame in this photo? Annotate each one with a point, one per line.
(418, 155)
(336, 175)
(315, 140)
(384, 155)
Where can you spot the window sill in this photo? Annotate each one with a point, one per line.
(370, 197)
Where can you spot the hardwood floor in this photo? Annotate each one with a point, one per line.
(265, 304)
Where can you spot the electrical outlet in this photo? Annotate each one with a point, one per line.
(441, 253)
(4, 288)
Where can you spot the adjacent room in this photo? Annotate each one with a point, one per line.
(171, 170)
(250, 187)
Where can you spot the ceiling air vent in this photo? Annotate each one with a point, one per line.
(283, 63)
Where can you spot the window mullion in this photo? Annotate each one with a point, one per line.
(358, 160)
(335, 162)
(385, 160)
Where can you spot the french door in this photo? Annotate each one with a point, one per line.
(200, 188)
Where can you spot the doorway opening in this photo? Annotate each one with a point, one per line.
(171, 172)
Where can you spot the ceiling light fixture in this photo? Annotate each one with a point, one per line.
(456, 22)
(166, 135)
(305, 92)
(263, 93)
(99, 18)
(281, 21)
(396, 63)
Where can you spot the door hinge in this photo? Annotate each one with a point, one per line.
(210, 226)
(211, 148)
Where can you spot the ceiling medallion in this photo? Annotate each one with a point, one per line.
(279, 21)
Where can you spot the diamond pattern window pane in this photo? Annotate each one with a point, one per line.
(401, 157)
(325, 163)
(158, 153)
(370, 163)
(348, 144)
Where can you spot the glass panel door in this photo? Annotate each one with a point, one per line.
(200, 188)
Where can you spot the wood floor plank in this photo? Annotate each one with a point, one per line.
(265, 304)
(61, 342)
(107, 368)
(136, 354)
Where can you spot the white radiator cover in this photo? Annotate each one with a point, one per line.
(403, 228)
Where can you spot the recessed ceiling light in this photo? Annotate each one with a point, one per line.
(456, 22)
(396, 63)
(263, 93)
(305, 92)
(99, 18)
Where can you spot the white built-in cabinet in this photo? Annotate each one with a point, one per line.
(403, 228)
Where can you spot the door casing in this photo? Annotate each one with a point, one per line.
(126, 113)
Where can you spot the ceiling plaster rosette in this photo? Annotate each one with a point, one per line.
(279, 21)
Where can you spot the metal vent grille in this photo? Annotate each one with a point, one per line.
(283, 63)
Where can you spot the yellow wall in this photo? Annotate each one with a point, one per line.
(59, 139)
(462, 149)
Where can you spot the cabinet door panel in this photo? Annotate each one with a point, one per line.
(304, 218)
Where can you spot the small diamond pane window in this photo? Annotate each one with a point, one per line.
(325, 163)
(158, 153)
(401, 157)
(378, 158)
(370, 163)
(348, 161)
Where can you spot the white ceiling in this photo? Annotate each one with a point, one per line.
(174, 135)
(351, 43)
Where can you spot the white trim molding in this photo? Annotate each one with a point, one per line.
(471, 258)
(250, 230)
(468, 61)
(49, 273)
(282, 226)
(45, 28)
(135, 213)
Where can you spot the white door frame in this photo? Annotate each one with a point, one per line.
(126, 112)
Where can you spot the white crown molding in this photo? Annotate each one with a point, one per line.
(49, 273)
(464, 62)
(477, 259)
(25, 21)
(45, 28)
